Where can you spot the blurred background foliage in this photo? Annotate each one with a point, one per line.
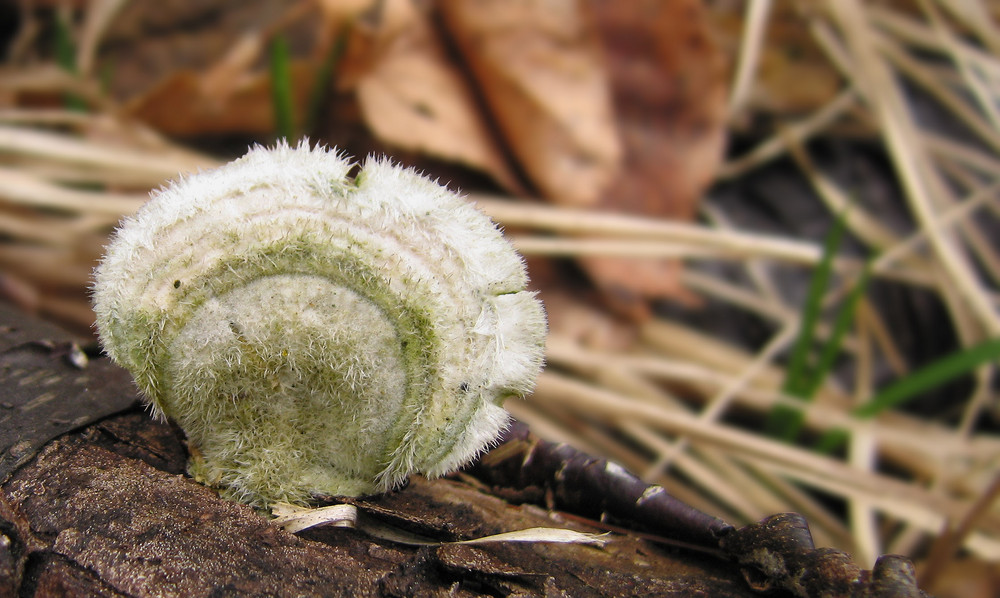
(765, 232)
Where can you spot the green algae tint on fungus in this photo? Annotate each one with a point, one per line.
(316, 334)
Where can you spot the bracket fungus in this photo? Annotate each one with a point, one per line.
(317, 334)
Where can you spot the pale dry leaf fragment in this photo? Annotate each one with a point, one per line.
(414, 97)
(294, 519)
(539, 67)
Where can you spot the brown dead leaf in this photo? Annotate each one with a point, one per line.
(539, 67)
(182, 104)
(581, 323)
(233, 94)
(226, 77)
(967, 578)
(412, 96)
(575, 309)
(669, 82)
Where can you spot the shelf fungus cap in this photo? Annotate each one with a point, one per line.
(317, 334)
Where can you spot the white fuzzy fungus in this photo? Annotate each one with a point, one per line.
(317, 334)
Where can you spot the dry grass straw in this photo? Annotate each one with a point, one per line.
(669, 407)
(939, 472)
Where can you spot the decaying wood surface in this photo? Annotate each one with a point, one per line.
(50, 387)
(96, 503)
(107, 511)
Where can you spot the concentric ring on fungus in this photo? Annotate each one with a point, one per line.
(317, 334)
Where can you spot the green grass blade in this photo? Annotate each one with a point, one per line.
(832, 441)
(107, 76)
(281, 89)
(321, 86)
(842, 323)
(65, 54)
(785, 422)
(935, 374)
(799, 366)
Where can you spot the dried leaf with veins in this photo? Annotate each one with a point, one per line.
(669, 82)
(414, 97)
(540, 70)
(314, 334)
(182, 104)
